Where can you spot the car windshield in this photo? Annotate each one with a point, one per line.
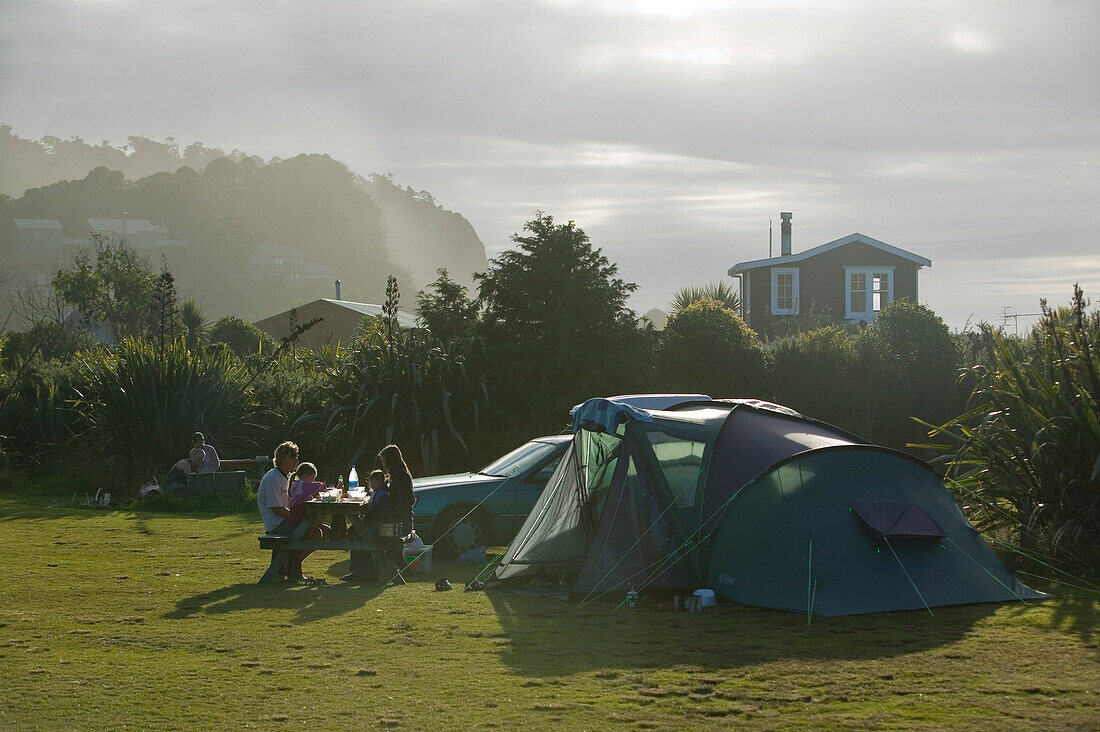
(520, 460)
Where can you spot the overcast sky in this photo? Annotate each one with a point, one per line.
(671, 132)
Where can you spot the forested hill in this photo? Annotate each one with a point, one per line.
(225, 207)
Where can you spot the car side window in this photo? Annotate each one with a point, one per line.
(542, 475)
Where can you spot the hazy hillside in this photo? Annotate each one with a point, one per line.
(225, 207)
(224, 214)
(423, 236)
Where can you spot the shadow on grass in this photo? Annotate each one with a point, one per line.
(552, 638)
(1075, 610)
(312, 602)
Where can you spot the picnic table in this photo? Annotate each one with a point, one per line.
(371, 544)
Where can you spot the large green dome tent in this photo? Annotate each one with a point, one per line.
(761, 504)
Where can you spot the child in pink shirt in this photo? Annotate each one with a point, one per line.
(303, 486)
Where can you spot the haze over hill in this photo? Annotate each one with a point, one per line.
(239, 218)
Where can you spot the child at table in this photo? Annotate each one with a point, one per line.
(303, 486)
(379, 509)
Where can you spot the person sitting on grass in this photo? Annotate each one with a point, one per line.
(175, 481)
(273, 500)
(303, 487)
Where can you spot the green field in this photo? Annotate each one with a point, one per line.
(135, 619)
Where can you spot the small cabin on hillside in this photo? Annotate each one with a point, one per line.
(851, 278)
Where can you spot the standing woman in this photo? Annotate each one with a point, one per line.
(401, 495)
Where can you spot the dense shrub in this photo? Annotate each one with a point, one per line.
(1026, 454)
(402, 388)
(45, 341)
(141, 404)
(242, 337)
(907, 366)
(816, 373)
(446, 309)
(36, 414)
(707, 348)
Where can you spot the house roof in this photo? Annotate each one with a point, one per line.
(829, 246)
(281, 251)
(37, 224)
(121, 226)
(315, 268)
(408, 321)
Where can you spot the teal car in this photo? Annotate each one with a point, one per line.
(463, 511)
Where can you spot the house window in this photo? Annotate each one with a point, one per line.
(857, 292)
(868, 291)
(784, 291)
(880, 290)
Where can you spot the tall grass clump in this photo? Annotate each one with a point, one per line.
(36, 416)
(1026, 453)
(398, 386)
(140, 404)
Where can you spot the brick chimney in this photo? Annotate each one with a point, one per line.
(785, 234)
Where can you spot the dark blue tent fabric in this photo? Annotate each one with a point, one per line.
(604, 415)
(898, 519)
(752, 441)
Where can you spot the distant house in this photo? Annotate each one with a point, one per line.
(851, 278)
(288, 263)
(38, 238)
(341, 317)
(138, 234)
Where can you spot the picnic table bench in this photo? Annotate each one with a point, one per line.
(372, 545)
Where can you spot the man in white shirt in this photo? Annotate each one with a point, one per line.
(211, 463)
(273, 500)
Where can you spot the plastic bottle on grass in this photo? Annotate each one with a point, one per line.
(353, 479)
(632, 598)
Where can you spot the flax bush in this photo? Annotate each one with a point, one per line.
(1025, 455)
(140, 405)
(395, 386)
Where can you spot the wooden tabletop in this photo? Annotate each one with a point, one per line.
(346, 507)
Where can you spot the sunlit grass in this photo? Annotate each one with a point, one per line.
(154, 620)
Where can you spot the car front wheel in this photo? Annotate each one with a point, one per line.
(463, 533)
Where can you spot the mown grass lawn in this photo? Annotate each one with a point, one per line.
(113, 619)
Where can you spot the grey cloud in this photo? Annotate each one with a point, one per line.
(952, 131)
